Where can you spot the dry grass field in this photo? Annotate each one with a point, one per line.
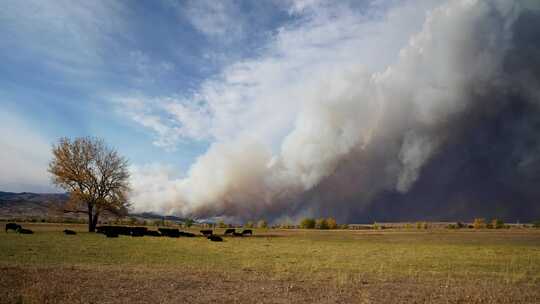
(273, 266)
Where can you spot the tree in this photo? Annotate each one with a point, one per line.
(188, 222)
(331, 222)
(321, 224)
(497, 224)
(307, 223)
(479, 223)
(94, 175)
(262, 224)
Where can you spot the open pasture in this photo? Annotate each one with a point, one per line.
(273, 266)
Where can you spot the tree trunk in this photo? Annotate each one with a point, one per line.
(91, 226)
(95, 221)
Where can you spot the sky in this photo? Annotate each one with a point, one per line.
(141, 74)
(282, 108)
(80, 68)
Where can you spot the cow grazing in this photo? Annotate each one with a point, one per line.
(230, 231)
(207, 232)
(138, 231)
(120, 230)
(152, 233)
(215, 238)
(12, 226)
(170, 232)
(24, 231)
(247, 232)
(69, 232)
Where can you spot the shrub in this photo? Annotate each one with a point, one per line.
(262, 224)
(421, 225)
(452, 226)
(536, 224)
(331, 222)
(497, 224)
(344, 226)
(377, 226)
(188, 222)
(321, 223)
(285, 225)
(307, 223)
(249, 224)
(221, 224)
(479, 223)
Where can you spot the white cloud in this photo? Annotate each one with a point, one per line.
(24, 157)
(216, 19)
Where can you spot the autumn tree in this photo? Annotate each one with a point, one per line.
(331, 222)
(307, 223)
(94, 175)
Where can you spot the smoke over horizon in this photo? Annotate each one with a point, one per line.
(387, 115)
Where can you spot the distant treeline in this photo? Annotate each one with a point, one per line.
(305, 223)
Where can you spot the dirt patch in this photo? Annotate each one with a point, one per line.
(103, 285)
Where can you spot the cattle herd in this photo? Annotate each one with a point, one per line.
(115, 231)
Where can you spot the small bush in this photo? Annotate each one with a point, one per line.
(249, 224)
(344, 226)
(321, 224)
(222, 224)
(421, 225)
(377, 226)
(331, 222)
(479, 223)
(497, 224)
(188, 222)
(307, 223)
(262, 224)
(536, 224)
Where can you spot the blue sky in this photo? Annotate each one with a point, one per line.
(65, 65)
(182, 87)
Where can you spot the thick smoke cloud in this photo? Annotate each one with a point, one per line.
(448, 129)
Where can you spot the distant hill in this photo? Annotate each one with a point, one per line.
(25, 204)
(46, 205)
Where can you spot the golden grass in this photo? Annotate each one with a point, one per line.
(510, 255)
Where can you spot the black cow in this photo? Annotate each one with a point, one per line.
(237, 234)
(230, 231)
(207, 232)
(214, 238)
(138, 231)
(247, 231)
(101, 229)
(120, 230)
(152, 233)
(69, 232)
(24, 231)
(170, 232)
(12, 226)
